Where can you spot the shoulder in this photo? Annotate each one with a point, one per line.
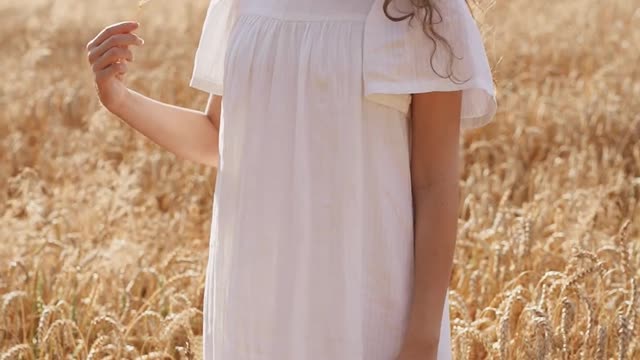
(400, 59)
(450, 18)
(208, 67)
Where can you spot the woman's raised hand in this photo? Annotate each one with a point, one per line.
(108, 54)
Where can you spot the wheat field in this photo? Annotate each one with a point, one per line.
(104, 236)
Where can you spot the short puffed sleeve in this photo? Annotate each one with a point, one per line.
(208, 67)
(397, 61)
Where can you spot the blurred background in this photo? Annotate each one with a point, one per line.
(104, 235)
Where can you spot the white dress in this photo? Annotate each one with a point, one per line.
(311, 247)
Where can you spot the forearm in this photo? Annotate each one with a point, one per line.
(188, 133)
(435, 231)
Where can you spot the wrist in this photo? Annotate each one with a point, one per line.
(121, 104)
(422, 326)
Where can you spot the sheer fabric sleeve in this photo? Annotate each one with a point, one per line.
(208, 67)
(397, 61)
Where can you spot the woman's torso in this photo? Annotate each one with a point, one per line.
(313, 250)
(314, 190)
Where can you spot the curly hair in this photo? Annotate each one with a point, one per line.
(427, 9)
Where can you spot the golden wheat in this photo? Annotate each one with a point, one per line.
(104, 236)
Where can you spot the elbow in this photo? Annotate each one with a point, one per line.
(442, 195)
(204, 155)
(210, 158)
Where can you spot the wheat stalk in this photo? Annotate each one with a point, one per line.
(141, 3)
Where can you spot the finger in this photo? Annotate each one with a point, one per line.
(118, 28)
(121, 69)
(114, 41)
(111, 57)
(113, 70)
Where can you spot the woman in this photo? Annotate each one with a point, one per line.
(335, 209)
